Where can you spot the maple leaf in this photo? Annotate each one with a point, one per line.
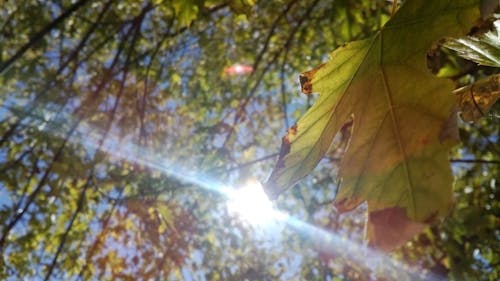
(403, 122)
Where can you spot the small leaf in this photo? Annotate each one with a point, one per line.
(476, 100)
(484, 49)
(166, 215)
(186, 11)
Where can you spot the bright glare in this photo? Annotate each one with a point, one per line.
(251, 204)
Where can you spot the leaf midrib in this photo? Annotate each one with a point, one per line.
(395, 128)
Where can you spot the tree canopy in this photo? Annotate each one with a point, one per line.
(127, 125)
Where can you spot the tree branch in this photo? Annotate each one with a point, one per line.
(99, 237)
(38, 188)
(137, 28)
(39, 35)
(60, 69)
(241, 109)
(270, 34)
(79, 207)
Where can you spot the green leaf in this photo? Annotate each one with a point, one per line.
(186, 10)
(167, 216)
(484, 49)
(403, 120)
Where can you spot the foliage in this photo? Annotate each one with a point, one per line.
(475, 100)
(104, 102)
(483, 49)
(402, 132)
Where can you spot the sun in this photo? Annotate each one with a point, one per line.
(251, 204)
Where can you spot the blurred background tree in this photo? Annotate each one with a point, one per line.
(90, 90)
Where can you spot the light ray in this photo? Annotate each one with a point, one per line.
(244, 202)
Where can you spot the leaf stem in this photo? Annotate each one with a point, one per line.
(394, 7)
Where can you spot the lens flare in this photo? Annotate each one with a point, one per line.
(251, 204)
(238, 69)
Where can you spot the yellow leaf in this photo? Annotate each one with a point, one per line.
(166, 215)
(403, 119)
(176, 79)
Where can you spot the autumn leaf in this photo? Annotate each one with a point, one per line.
(403, 118)
(483, 49)
(476, 99)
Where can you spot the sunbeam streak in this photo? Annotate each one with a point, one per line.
(249, 202)
(377, 262)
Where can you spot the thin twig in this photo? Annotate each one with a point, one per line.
(79, 206)
(59, 71)
(246, 164)
(142, 107)
(335, 159)
(137, 28)
(475, 161)
(98, 239)
(283, 89)
(242, 107)
(270, 34)
(38, 188)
